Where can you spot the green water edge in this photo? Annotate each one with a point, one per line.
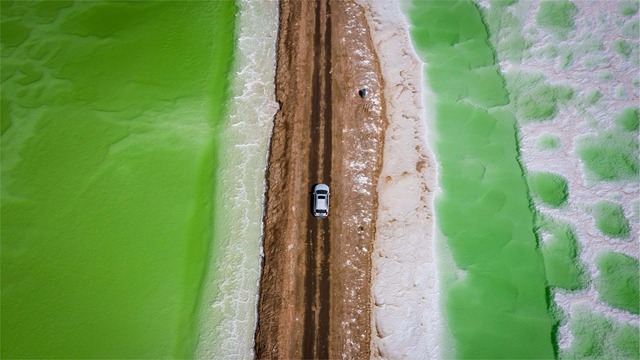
(110, 116)
(497, 302)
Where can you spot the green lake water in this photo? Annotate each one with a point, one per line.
(495, 299)
(110, 115)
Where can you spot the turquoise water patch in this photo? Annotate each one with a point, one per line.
(556, 16)
(533, 99)
(610, 219)
(548, 142)
(551, 189)
(628, 8)
(622, 47)
(611, 155)
(598, 337)
(631, 29)
(496, 303)
(560, 251)
(593, 97)
(629, 119)
(619, 282)
(109, 116)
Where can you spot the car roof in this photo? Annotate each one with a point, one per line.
(321, 204)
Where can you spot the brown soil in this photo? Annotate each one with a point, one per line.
(315, 285)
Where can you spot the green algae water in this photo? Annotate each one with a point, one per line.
(496, 300)
(110, 115)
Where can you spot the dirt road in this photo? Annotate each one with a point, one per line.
(315, 286)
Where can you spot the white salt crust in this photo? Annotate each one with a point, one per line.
(405, 315)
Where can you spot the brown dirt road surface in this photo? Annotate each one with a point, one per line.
(315, 286)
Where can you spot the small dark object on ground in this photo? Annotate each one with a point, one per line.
(362, 93)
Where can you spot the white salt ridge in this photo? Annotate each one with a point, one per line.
(406, 317)
(228, 322)
(595, 23)
(356, 164)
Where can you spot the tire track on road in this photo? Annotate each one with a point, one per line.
(317, 292)
(309, 343)
(325, 290)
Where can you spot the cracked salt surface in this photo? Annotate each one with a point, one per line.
(591, 44)
(405, 314)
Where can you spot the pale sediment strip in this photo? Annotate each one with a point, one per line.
(405, 316)
(229, 314)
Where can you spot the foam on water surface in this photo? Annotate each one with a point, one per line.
(228, 315)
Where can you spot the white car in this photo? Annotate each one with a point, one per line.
(320, 200)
